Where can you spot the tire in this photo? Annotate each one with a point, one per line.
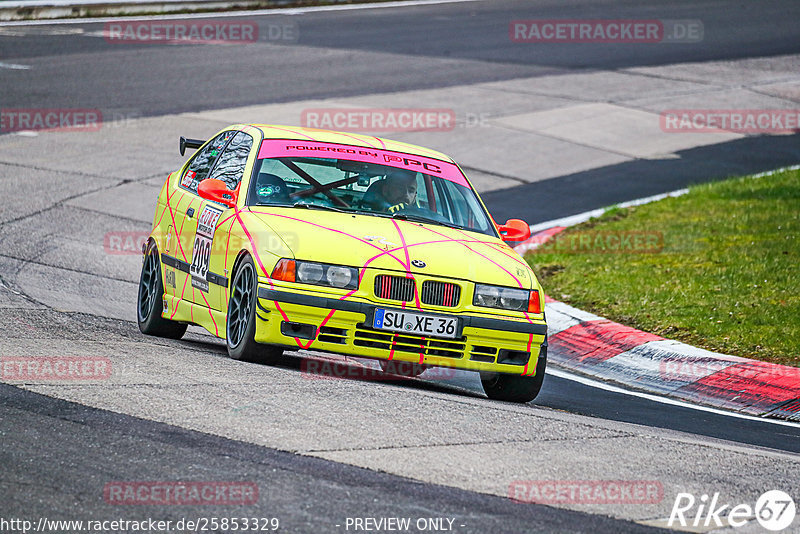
(240, 326)
(515, 388)
(407, 369)
(150, 299)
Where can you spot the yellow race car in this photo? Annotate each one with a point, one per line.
(276, 238)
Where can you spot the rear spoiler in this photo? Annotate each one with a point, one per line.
(190, 143)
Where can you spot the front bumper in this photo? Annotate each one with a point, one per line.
(304, 320)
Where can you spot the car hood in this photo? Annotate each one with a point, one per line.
(397, 245)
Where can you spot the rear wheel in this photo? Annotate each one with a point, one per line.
(241, 324)
(408, 369)
(150, 301)
(515, 388)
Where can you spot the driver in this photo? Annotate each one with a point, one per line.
(271, 189)
(397, 191)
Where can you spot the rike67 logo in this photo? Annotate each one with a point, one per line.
(774, 511)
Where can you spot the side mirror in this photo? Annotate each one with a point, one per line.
(216, 190)
(514, 230)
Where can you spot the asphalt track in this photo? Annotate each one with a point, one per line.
(59, 452)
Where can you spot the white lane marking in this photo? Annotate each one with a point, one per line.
(257, 12)
(663, 400)
(14, 66)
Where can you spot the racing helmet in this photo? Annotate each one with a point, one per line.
(271, 189)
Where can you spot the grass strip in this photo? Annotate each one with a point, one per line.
(717, 268)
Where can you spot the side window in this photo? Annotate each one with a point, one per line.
(203, 161)
(230, 166)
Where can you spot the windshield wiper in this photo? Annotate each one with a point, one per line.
(420, 218)
(317, 207)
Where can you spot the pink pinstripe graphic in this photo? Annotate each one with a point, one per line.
(332, 230)
(253, 245)
(406, 266)
(294, 132)
(525, 369)
(408, 263)
(388, 252)
(182, 292)
(394, 344)
(175, 224)
(360, 139)
(269, 279)
(169, 197)
(168, 206)
(227, 250)
(216, 328)
(519, 283)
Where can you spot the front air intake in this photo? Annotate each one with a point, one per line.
(394, 288)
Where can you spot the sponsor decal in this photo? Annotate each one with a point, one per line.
(277, 149)
(201, 252)
(188, 179)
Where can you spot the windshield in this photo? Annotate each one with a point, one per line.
(363, 187)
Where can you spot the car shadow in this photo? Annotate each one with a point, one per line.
(325, 366)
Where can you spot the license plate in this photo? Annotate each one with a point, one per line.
(415, 323)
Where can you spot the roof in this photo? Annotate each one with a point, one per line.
(274, 131)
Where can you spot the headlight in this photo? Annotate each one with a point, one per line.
(341, 276)
(321, 274)
(310, 273)
(506, 298)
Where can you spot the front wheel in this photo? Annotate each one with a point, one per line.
(515, 388)
(150, 301)
(241, 324)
